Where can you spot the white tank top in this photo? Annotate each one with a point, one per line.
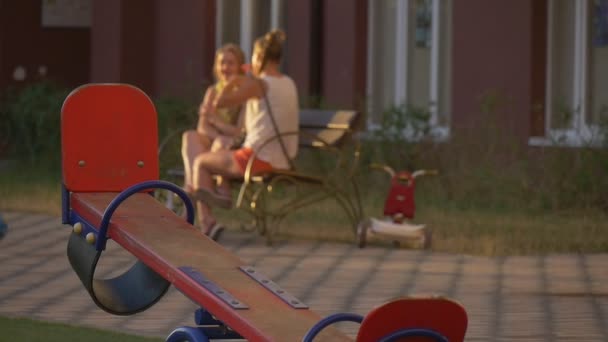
(283, 98)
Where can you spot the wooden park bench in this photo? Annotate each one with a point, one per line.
(110, 167)
(324, 168)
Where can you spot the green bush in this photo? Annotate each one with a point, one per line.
(485, 167)
(174, 117)
(396, 141)
(175, 114)
(480, 168)
(31, 120)
(571, 178)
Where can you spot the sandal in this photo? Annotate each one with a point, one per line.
(213, 199)
(189, 189)
(189, 192)
(214, 231)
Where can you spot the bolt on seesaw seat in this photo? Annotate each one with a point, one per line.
(110, 166)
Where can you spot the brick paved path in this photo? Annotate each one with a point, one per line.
(550, 298)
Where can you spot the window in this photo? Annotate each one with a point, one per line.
(408, 56)
(577, 72)
(242, 21)
(65, 13)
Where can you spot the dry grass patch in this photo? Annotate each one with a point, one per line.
(472, 230)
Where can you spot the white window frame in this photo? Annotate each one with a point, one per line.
(580, 133)
(402, 41)
(276, 8)
(219, 23)
(247, 19)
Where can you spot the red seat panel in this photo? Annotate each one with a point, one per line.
(109, 138)
(442, 315)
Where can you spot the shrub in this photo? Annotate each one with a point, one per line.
(396, 141)
(486, 167)
(174, 117)
(30, 120)
(31, 117)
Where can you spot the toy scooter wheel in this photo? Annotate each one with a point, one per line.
(428, 238)
(362, 233)
(3, 228)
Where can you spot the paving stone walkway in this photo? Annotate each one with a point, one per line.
(543, 298)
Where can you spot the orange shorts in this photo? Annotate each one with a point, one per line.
(242, 156)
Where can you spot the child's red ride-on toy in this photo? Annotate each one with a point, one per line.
(399, 207)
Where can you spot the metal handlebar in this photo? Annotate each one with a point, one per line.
(419, 173)
(392, 172)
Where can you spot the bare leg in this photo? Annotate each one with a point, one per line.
(223, 186)
(193, 144)
(206, 164)
(222, 142)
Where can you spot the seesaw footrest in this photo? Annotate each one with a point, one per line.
(133, 291)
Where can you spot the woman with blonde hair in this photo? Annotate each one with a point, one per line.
(215, 129)
(271, 107)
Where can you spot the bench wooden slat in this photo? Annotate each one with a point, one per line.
(315, 137)
(316, 118)
(330, 127)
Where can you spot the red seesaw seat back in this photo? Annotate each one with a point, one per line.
(442, 315)
(109, 138)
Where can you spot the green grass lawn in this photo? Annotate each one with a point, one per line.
(464, 231)
(458, 228)
(27, 188)
(13, 329)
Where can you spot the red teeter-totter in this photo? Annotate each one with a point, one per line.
(110, 166)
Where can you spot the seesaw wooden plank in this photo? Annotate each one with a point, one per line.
(164, 241)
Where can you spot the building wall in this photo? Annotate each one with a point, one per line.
(167, 49)
(61, 53)
(492, 62)
(2, 30)
(184, 46)
(538, 75)
(303, 58)
(326, 51)
(105, 38)
(163, 48)
(344, 56)
(123, 43)
(599, 84)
